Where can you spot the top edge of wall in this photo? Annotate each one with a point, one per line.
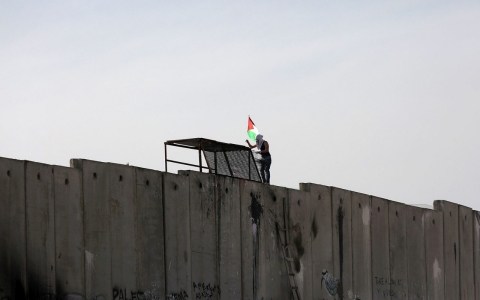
(439, 204)
(8, 158)
(424, 206)
(77, 163)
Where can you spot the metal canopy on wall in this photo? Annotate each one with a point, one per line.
(222, 158)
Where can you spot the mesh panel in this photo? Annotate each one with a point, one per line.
(238, 160)
(222, 167)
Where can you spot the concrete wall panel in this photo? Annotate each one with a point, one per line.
(397, 231)
(434, 255)
(40, 230)
(465, 226)
(229, 237)
(98, 272)
(203, 235)
(12, 229)
(149, 233)
(361, 243)
(110, 254)
(476, 252)
(251, 218)
(451, 250)
(342, 241)
(177, 237)
(69, 241)
(300, 236)
(121, 186)
(273, 281)
(322, 235)
(381, 281)
(416, 270)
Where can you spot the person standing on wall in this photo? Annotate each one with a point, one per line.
(266, 161)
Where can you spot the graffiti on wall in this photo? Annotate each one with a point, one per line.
(182, 295)
(205, 291)
(331, 284)
(118, 294)
(124, 294)
(388, 287)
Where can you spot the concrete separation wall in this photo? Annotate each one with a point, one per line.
(13, 265)
(381, 282)
(107, 231)
(322, 238)
(69, 234)
(396, 286)
(434, 260)
(40, 228)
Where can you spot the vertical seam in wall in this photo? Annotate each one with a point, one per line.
(351, 241)
(427, 290)
(107, 173)
(52, 189)
(216, 195)
(404, 216)
(332, 231)
(459, 246)
(286, 219)
(135, 224)
(84, 248)
(189, 248)
(310, 201)
(216, 192)
(444, 252)
(26, 290)
(407, 214)
(474, 256)
(370, 199)
(352, 274)
(241, 183)
(332, 224)
(388, 244)
(424, 251)
(390, 271)
(164, 236)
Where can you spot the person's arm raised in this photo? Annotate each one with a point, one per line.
(250, 145)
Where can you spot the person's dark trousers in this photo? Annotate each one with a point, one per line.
(265, 169)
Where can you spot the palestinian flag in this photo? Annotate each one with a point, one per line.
(252, 131)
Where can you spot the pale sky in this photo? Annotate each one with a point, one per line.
(378, 97)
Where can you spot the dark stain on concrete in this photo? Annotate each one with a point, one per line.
(297, 240)
(298, 243)
(296, 263)
(314, 228)
(256, 209)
